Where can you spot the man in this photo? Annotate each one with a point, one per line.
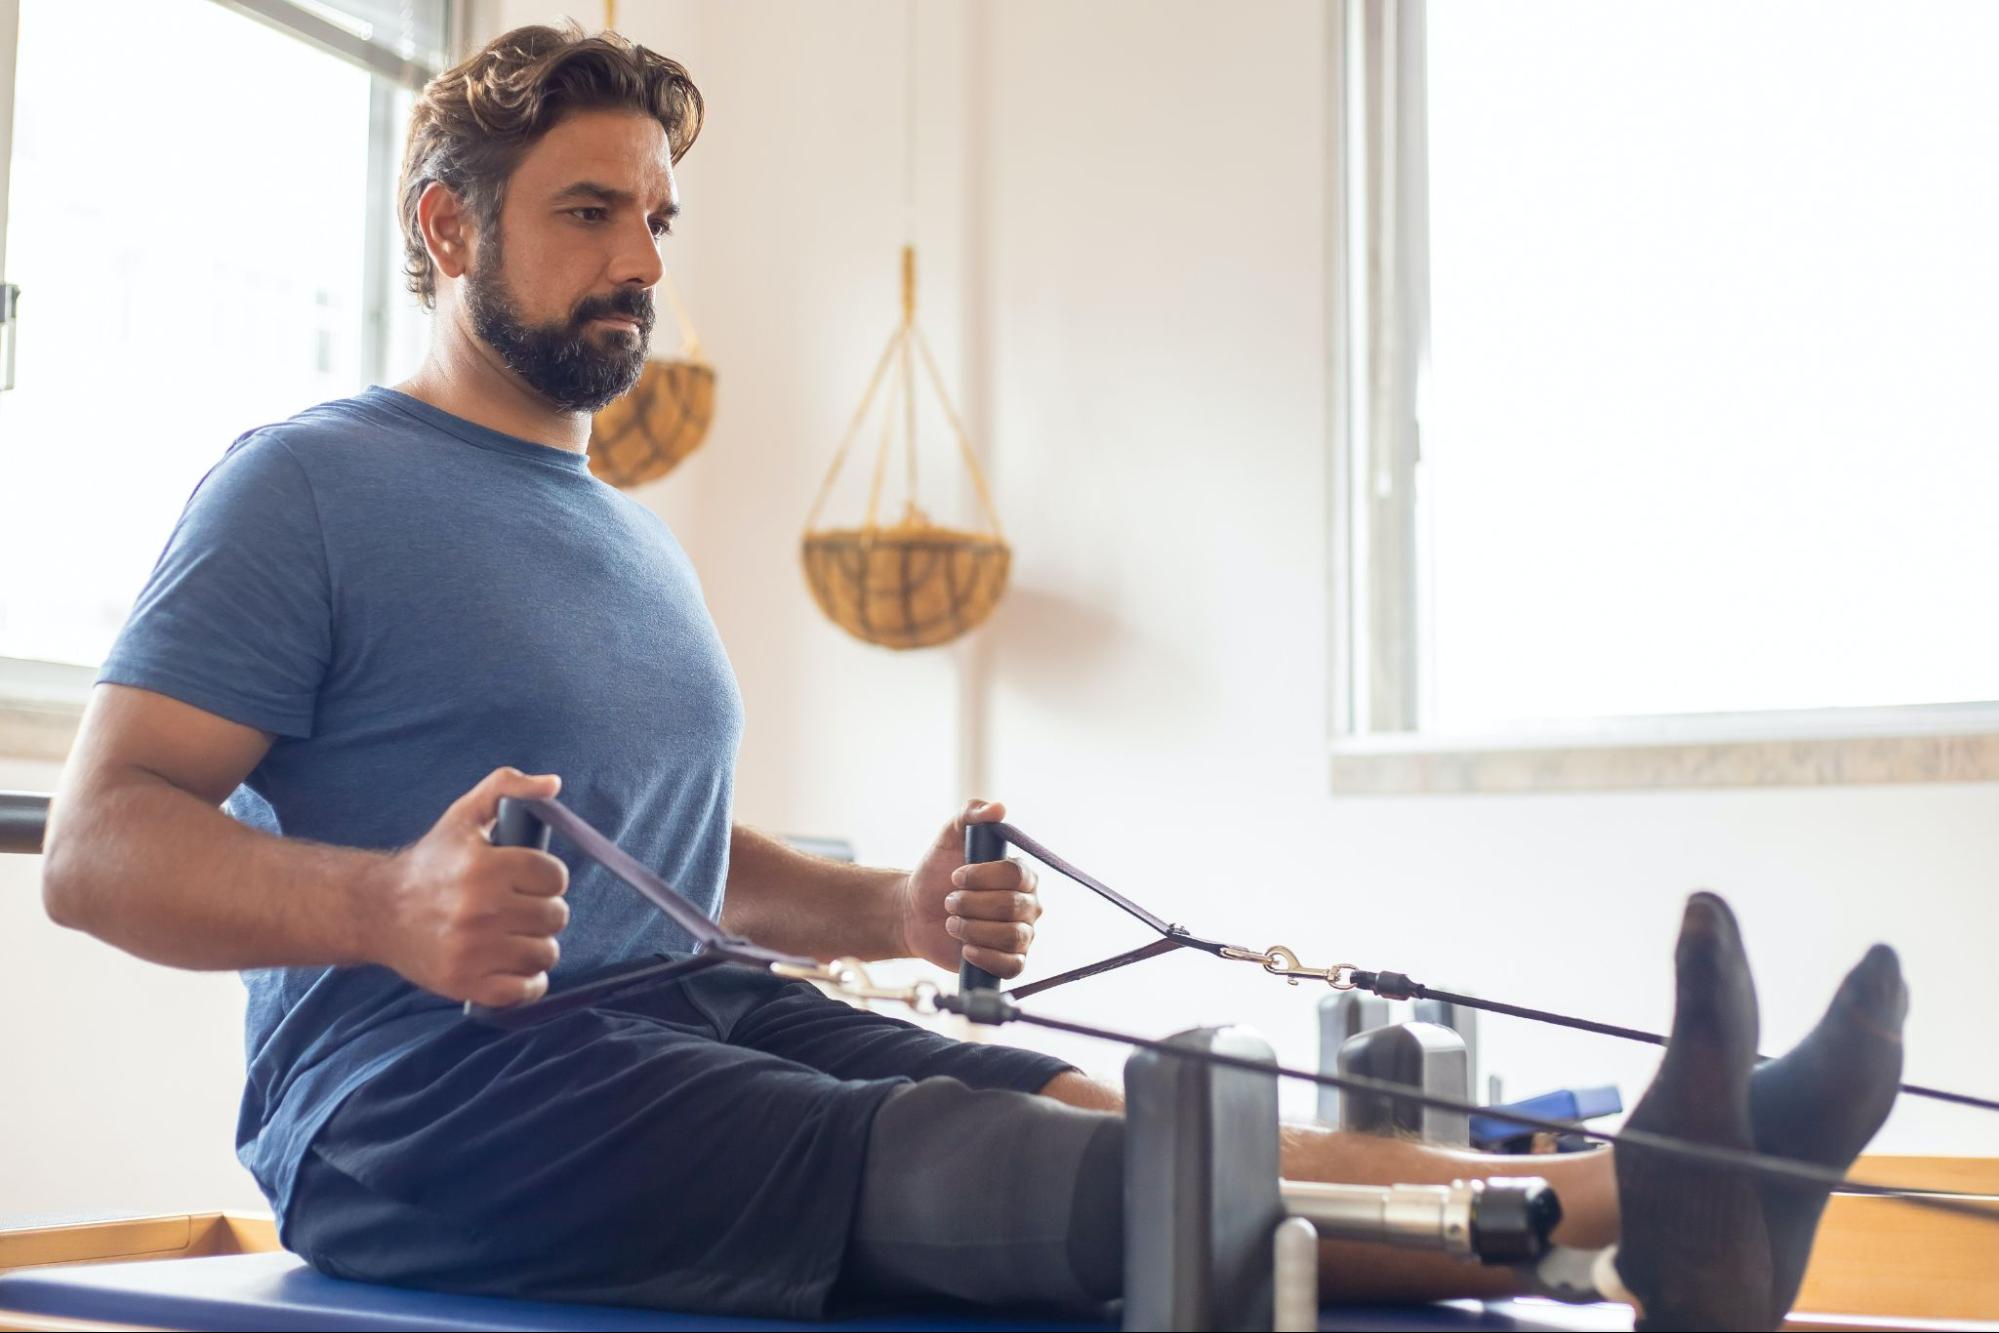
(378, 618)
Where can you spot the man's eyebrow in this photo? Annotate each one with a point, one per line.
(607, 195)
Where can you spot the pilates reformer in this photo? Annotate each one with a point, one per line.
(1214, 1238)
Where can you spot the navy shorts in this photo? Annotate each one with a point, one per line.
(698, 1146)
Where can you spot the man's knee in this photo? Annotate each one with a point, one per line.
(990, 1195)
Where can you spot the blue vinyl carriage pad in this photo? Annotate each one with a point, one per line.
(277, 1291)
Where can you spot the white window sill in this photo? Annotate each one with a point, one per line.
(41, 704)
(1944, 743)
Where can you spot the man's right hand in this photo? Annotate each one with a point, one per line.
(468, 920)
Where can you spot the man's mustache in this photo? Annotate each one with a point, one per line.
(629, 304)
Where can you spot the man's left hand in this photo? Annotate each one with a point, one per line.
(984, 913)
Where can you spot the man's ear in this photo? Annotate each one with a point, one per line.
(448, 230)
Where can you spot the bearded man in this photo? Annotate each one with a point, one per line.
(378, 618)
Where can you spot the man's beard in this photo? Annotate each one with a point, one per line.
(560, 360)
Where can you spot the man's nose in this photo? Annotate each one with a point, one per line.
(637, 258)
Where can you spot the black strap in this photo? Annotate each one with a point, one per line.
(621, 863)
(708, 936)
(650, 973)
(1138, 955)
(1181, 937)
(712, 944)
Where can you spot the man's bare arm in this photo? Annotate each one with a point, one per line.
(139, 855)
(941, 911)
(785, 899)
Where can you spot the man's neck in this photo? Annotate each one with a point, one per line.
(465, 377)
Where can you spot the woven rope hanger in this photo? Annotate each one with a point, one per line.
(913, 583)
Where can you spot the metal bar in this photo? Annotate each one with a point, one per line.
(1423, 1217)
(24, 819)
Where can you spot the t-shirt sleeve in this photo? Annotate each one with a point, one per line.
(237, 617)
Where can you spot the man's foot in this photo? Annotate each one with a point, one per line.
(1823, 1102)
(1694, 1249)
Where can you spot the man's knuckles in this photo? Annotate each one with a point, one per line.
(522, 869)
(1005, 936)
(993, 905)
(998, 963)
(499, 991)
(994, 875)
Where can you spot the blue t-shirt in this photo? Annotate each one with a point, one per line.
(406, 601)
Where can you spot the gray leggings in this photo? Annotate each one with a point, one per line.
(999, 1197)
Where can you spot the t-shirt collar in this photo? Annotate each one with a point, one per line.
(485, 437)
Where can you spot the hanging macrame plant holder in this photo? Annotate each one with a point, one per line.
(644, 434)
(912, 583)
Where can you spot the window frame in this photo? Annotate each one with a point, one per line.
(41, 702)
(1378, 315)
(305, 22)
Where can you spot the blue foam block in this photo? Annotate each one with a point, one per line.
(1563, 1104)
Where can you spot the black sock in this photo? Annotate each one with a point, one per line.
(1693, 1248)
(1823, 1102)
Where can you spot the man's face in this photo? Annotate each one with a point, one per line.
(566, 301)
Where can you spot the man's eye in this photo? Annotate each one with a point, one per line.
(597, 211)
(661, 227)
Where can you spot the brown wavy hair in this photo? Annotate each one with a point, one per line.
(475, 121)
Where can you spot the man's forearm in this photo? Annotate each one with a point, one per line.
(785, 899)
(161, 873)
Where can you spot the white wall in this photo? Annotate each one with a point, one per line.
(1122, 215)
(118, 1080)
(1139, 244)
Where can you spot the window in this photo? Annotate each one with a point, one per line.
(196, 256)
(1667, 334)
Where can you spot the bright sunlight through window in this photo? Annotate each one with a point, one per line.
(1709, 424)
(187, 228)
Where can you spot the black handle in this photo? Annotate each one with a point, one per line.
(983, 842)
(517, 826)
